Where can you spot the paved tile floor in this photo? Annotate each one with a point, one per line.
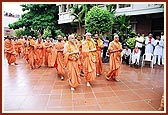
(139, 89)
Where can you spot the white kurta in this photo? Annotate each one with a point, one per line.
(140, 39)
(149, 46)
(162, 40)
(126, 52)
(158, 48)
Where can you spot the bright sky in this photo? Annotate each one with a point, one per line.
(12, 7)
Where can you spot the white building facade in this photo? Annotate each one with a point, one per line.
(9, 18)
(144, 17)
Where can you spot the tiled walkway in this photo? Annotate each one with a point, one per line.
(41, 90)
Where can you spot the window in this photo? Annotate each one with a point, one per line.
(64, 8)
(114, 6)
(124, 5)
(7, 30)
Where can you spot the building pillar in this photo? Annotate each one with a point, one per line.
(60, 8)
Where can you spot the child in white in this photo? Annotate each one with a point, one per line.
(136, 55)
(149, 44)
(158, 50)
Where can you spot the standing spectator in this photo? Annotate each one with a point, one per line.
(158, 50)
(149, 44)
(139, 42)
(114, 49)
(162, 39)
(106, 43)
(126, 55)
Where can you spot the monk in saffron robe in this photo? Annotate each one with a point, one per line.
(99, 47)
(14, 42)
(64, 39)
(59, 64)
(53, 53)
(26, 49)
(48, 52)
(89, 59)
(39, 53)
(114, 49)
(32, 55)
(17, 45)
(79, 45)
(10, 51)
(22, 40)
(71, 58)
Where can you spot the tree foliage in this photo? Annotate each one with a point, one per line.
(98, 20)
(123, 24)
(19, 32)
(47, 33)
(123, 27)
(22, 32)
(38, 17)
(79, 12)
(59, 32)
(131, 42)
(111, 8)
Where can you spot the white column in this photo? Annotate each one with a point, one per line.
(60, 10)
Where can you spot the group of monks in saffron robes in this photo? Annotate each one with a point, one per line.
(78, 57)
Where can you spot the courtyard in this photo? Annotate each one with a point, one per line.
(139, 89)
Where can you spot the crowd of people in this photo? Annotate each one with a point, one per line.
(80, 57)
(144, 46)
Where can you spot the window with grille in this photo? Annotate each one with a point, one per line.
(124, 5)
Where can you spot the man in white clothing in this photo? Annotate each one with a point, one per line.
(149, 44)
(158, 50)
(162, 39)
(126, 55)
(139, 41)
